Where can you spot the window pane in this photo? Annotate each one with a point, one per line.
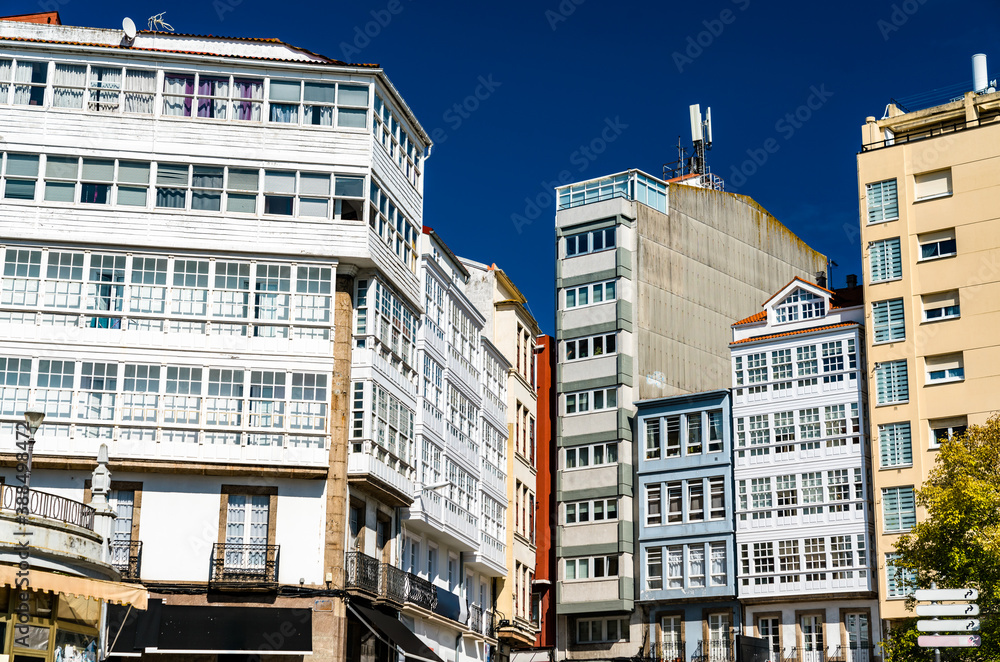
(319, 93)
(284, 90)
(133, 172)
(61, 167)
(25, 165)
(353, 95)
(351, 187)
(348, 117)
(314, 184)
(171, 175)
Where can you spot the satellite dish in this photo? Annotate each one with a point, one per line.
(128, 25)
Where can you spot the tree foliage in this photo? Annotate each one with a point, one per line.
(957, 545)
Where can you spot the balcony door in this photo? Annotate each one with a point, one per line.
(122, 502)
(718, 637)
(246, 532)
(767, 628)
(856, 625)
(672, 644)
(812, 639)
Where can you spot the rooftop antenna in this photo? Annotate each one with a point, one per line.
(128, 25)
(701, 137)
(157, 21)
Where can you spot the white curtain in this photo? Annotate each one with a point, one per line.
(5, 72)
(177, 91)
(247, 98)
(140, 89)
(23, 74)
(67, 86)
(105, 88)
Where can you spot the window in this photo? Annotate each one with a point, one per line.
(675, 566)
(586, 456)
(595, 567)
(29, 83)
(654, 568)
(391, 133)
(899, 581)
(789, 560)
(717, 555)
(214, 96)
(929, 185)
(601, 630)
(590, 242)
(884, 260)
(588, 295)
(653, 439)
(586, 511)
(805, 358)
(940, 306)
(757, 368)
(800, 304)
(894, 445)
(20, 176)
(891, 382)
(837, 485)
(318, 103)
(714, 431)
(674, 501)
(587, 401)
(696, 566)
(787, 495)
(943, 429)
(696, 500)
(584, 348)
(717, 497)
(934, 245)
(247, 530)
(887, 317)
(945, 368)
(898, 509)
(654, 514)
(882, 202)
(397, 231)
(694, 438)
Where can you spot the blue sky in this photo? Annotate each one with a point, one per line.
(552, 76)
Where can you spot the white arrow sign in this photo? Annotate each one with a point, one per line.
(948, 641)
(948, 610)
(951, 625)
(950, 594)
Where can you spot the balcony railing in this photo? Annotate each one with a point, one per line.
(420, 592)
(476, 618)
(392, 583)
(362, 573)
(49, 506)
(855, 654)
(126, 557)
(244, 564)
(797, 654)
(715, 651)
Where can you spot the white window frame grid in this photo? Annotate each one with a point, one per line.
(899, 509)
(590, 507)
(608, 292)
(591, 563)
(589, 237)
(940, 304)
(941, 241)
(882, 201)
(392, 135)
(585, 348)
(934, 374)
(685, 492)
(888, 321)
(675, 565)
(581, 456)
(608, 397)
(891, 380)
(895, 445)
(885, 261)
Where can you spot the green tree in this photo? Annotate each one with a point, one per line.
(957, 545)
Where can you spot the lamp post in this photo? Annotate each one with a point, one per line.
(33, 421)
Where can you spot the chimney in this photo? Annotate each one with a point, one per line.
(821, 278)
(852, 280)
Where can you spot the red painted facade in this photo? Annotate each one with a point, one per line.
(544, 589)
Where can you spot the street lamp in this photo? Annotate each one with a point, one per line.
(33, 421)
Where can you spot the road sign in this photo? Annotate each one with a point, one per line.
(948, 610)
(949, 625)
(948, 641)
(949, 594)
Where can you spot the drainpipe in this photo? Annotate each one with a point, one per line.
(462, 589)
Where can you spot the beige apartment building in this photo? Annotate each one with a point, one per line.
(928, 182)
(512, 328)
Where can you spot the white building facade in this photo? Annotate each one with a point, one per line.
(804, 520)
(190, 227)
(454, 530)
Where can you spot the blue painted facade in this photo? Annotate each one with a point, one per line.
(686, 580)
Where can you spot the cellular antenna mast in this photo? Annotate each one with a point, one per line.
(701, 139)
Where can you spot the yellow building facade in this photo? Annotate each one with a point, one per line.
(928, 184)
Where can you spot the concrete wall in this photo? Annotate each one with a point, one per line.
(707, 263)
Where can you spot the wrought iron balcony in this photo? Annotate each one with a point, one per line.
(420, 592)
(476, 618)
(48, 506)
(715, 651)
(126, 557)
(362, 573)
(856, 654)
(392, 584)
(244, 565)
(797, 654)
(491, 624)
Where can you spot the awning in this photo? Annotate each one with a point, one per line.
(539, 655)
(83, 587)
(393, 629)
(190, 630)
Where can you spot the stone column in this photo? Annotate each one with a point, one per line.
(104, 516)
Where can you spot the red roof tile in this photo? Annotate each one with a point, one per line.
(756, 317)
(794, 333)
